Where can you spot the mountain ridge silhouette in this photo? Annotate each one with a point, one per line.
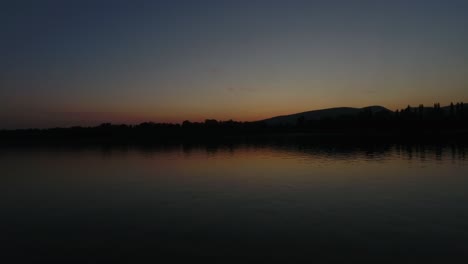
(318, 114)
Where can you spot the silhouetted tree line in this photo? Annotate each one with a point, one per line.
(418, 121)
(409, 119)
(452, 112)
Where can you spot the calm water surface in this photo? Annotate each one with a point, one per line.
(130, 204)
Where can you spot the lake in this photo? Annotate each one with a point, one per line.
(328, 202)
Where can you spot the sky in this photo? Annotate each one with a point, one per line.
(67, 63)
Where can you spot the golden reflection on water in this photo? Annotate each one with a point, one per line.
(263, 197)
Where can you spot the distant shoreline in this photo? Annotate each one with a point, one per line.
(78, 136)
(431, 124)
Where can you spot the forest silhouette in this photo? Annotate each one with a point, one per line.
(431, 123)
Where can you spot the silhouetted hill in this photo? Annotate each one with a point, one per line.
(368, 123)
(328, 113)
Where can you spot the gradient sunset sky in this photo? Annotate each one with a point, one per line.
(66, 63)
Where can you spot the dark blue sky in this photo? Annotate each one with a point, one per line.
(84, 62)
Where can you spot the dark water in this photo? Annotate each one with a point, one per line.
(273, 202)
